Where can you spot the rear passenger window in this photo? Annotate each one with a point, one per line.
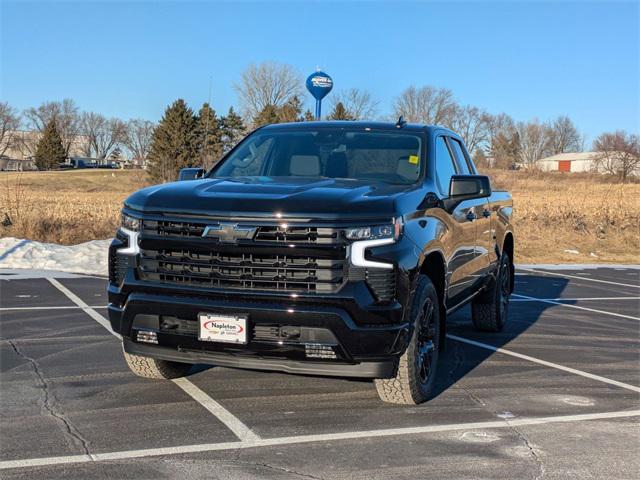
(445, 166)
(461, 158)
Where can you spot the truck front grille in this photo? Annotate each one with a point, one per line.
(274, 233)
(247, 271)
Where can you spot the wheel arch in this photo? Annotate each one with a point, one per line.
(435, 267)
(508, 247)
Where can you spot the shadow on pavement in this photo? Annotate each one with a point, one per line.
(456, 361)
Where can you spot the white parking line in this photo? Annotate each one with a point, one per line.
(544, 362)
(233, 423)
(225, 416)
(579, 278)
(577, 307)
(89, 311)
(574, 299)
(268, 442)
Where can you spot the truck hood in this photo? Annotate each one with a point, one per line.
(293, 197)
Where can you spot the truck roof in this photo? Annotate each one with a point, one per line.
(350, 123)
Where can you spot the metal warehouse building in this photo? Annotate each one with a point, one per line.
(569, 162)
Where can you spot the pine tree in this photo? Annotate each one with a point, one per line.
(291, 111)
(340, 113)
(50, 151)
(174, 143)
(208, 136)
(233, 130)
(267, 115)
(308, 116)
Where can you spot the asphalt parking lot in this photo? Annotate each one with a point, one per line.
(555, 395)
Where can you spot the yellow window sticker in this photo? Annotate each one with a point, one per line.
(413, 159)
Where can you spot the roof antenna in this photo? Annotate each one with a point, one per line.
(401, 122)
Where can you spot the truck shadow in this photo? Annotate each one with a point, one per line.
(459, 359)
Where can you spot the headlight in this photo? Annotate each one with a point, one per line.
(370, 237)
(130, 223)
(374, 233)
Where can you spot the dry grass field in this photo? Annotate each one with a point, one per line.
(554, 212)
(66, 207)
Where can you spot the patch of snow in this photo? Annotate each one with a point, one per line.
(89, 258)
(573, 252)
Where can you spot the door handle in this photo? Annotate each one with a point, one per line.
(486, 213)
(471, 215)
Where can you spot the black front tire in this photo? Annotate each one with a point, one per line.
(154, 368)
(490, 309)
(414, 381)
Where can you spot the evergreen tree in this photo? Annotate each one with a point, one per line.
(233, 130)
(308, 116)
(208, 136)
(267, 115)
(50, 151)
(340, 113)
(291, 111)
(174, 143)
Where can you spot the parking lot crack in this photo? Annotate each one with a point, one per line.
(532, 451)
(238, 461)
(286, 470)
(459, 360)
(48, 405)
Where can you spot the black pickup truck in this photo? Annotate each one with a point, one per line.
(328, 248)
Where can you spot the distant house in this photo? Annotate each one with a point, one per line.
(8, 164)
(569, 162)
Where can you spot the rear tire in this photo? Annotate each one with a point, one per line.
(414, 381)
(154, 368)
(490, 309)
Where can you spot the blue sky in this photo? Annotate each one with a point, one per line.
(528, 59)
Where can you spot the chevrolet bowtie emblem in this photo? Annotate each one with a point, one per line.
(229, 232)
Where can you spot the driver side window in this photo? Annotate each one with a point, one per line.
(251, 159)
(445, 166)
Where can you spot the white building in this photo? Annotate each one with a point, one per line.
(569, 162)
(585, 162)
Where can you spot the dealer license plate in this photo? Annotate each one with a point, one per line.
(222, 328)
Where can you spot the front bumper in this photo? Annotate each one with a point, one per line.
(381, 369)
(360, 350)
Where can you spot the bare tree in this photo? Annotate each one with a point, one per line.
(502, 140)
(472, 124)
(268, 83)
(65, 114)
(9, 123)
(532, 141)
(357, 103)
(618, 153)
(103, 135)
(138, 139)
(563, 136)
(428, 105)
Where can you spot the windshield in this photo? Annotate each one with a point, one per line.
(359, 154)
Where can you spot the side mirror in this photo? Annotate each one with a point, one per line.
(467, 187)
(464, 187)
(190, 173)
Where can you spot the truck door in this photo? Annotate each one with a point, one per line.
(484, 246)
(461, 257)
